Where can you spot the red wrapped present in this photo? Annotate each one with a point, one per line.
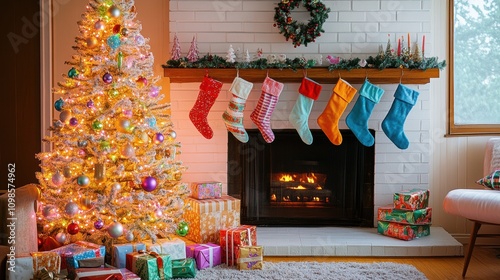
(411, 200)
(102, 273)
(413, 217)
(206, 255)
(232, 238)
(205, 190)
(402, 231)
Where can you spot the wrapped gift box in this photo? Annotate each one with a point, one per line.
(402, 231)
(184, 268)
(23, 268)
(419, 216)
(131, 260)
(153, 266)
(411, 200)
(206, 190)
(249, 257)
(207, 217)
(206, 255)
(174, 247)
(129, 275)
(72, 253)
(119, 251)
(232, 238)
(102, 273)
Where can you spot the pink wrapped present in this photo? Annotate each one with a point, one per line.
(204, 190)
(206, 255)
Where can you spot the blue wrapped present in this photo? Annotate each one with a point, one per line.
(119, 252)
(72, 253)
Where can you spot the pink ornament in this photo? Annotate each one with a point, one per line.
(154, 91)
(99, 224)
(141, 82)
(57, 179)
(127, 113)
(149, 184)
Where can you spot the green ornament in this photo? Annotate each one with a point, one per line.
(105, 145)
(97, 125)
(83, 180)
(120, 60)
(182, 229)
(73, 73)
(113, 92)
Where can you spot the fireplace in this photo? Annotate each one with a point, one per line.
(290, 183)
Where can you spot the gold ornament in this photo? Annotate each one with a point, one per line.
(99, 172)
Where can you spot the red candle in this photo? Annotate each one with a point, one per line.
(423, 45)
(399, 47)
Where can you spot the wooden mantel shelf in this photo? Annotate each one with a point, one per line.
(318, 74)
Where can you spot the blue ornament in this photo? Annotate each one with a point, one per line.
(72, 73)
(114, 41)
(83, 180)
(151, 121)
(59, 104)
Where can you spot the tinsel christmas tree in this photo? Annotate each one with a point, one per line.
(112, 173)
(193, 55)
(176, 49)
(230, 56)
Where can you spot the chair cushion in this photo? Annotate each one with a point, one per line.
(473, 204)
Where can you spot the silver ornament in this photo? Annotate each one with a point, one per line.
(61, 237)
(129, 236)
(173, 134)
(99, 24)
(128, 151)
(115, 230)
(114, 11)
(71, 209)
(116, 187)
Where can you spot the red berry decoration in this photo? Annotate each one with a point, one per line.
(116, 28)
(73, 228)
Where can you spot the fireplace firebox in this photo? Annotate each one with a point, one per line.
(288, 182)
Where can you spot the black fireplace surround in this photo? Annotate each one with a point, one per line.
(287, 182)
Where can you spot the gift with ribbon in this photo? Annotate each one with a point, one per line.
(206, 255)
(72, 253)
(184, 268)
(205, 190)
(153, 266)
(232, 238)
(119, 251)
(249, 257)
(102, 273)
(29, 265)
(174, 247)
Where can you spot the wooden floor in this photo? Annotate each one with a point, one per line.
(484, 265)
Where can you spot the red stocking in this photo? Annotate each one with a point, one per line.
(209, 90)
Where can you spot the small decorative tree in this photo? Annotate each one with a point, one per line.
(176, 49)
(230, 56)
(193, 55)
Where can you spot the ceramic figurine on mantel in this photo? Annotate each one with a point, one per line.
(176, 49)
(193, 55)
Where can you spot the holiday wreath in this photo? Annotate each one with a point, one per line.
(298, 32)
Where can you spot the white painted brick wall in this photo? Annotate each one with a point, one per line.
(354, 29)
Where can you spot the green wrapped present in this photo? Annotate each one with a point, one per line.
(185, 268)
(402, 231)
(413, 217)
(153, 266)
(411, 200)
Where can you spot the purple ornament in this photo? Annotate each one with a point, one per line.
(159, 138)
(149, 184)
(73, 121)
(154, 91)
(90, 104)
(99, 224)
(107, 78)
(139, 39)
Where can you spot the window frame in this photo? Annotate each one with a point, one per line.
(467, 129)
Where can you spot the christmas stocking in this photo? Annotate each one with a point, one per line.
(357, 120)
(393, 124)
(309, 91)
(261, 115)
(209, 90)
(328, 121)
(233, 116)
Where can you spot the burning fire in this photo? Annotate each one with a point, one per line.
(286, 178)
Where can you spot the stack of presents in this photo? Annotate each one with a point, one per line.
(215, 237)
(409, 216)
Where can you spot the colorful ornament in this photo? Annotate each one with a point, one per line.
(91, 42)
(90, 104)
(173, 134)
(61, 237)
(154, 91)
(65, 115)
(116, 28)
(57, 179)
(86, 203)
(73, 73)
(151, 122)
(116, 187)
(119, 60)
(141, 82)
(99, 224)
(83, 180)
(73, 228)
(128, 113)
(115, 230)
(107, 78)
(73, 121)
(113, 92)
(124, 32)
(71, 209)
(139, 40)
(82, 143)
(128, 151)
(182, 229)
(123, 124)
(159, 138)
(48, 211)
(149, 184)
(114, 41)
(97, 125)
(67, 172)
(114, 11)
(105, 146)
(99, 25)
(129, 236)
(58, 105)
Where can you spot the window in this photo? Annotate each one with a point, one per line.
(474, 67)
